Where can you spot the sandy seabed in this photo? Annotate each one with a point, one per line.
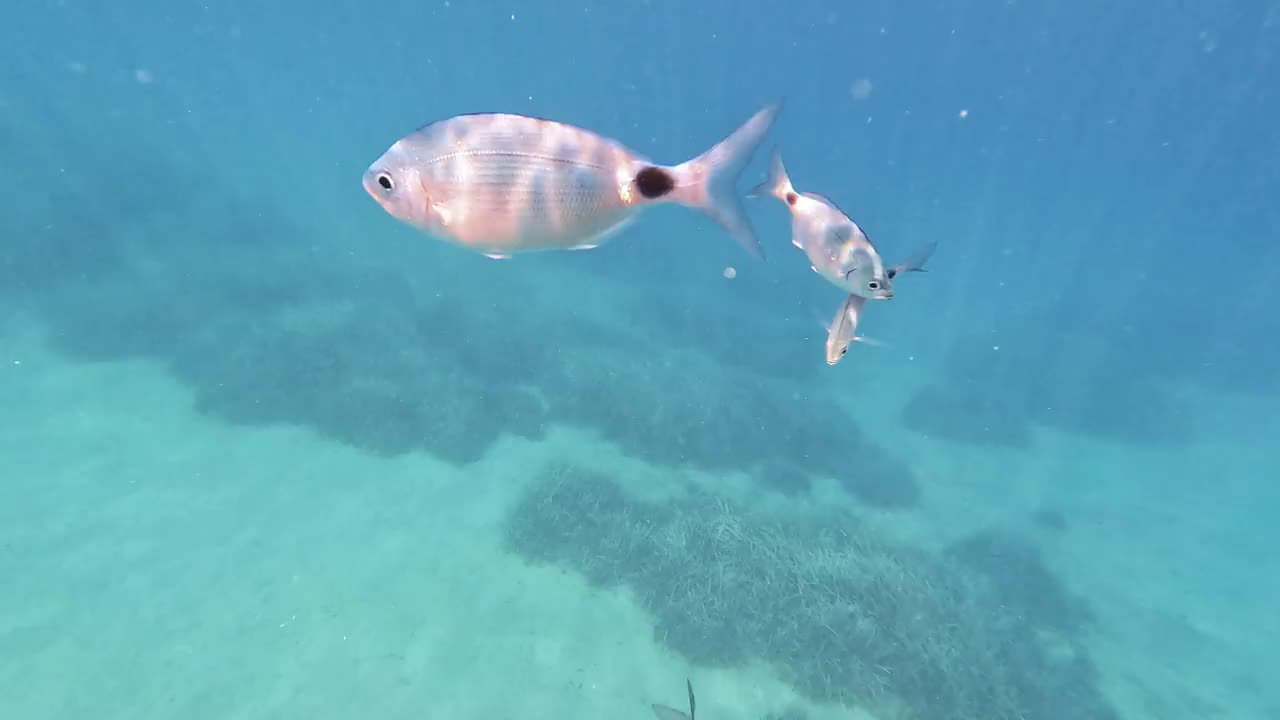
(162, 564)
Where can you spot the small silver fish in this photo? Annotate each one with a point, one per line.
(837, 248)
(844, 327)
(502, 184)
(669, 713)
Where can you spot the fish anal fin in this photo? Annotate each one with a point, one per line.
(599, 238)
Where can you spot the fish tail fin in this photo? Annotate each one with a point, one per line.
(707, 182)
(916, 262)
(777, 184)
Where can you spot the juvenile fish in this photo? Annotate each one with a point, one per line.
(844, 326)
(837, 248)
(501, 184)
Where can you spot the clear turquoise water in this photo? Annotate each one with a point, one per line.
(266, 452)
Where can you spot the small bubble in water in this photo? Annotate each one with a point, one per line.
(730, 273)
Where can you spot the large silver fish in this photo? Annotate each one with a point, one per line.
(837, 248)
(502, 184)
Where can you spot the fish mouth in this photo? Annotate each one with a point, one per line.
(370, 184)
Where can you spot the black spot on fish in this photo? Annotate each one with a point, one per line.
(654, 182)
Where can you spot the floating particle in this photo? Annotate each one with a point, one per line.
(143, 76)
(730, 273)
(964, 114)
(860, 89)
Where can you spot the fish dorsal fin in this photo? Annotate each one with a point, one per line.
(851, 310)
(820, 198)
(669, 713)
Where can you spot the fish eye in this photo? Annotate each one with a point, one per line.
(873, 285)
(386, 182)
(844, 350)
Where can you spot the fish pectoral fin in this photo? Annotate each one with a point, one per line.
(869, 341)
(497, 256)
(669, 713)
(442, 212)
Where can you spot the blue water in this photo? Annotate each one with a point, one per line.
(235, 391)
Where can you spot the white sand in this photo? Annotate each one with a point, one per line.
(160, 564)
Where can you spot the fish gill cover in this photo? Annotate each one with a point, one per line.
(843, 614)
